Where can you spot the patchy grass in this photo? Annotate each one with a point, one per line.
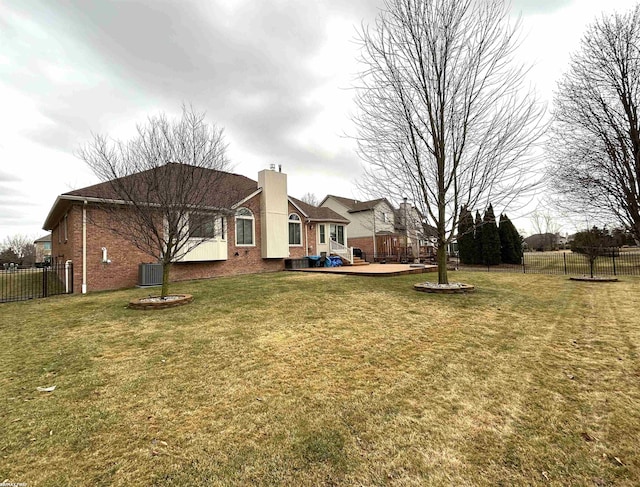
(307, 379)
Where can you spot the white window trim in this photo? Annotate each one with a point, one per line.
(299, 223)
(253, 226)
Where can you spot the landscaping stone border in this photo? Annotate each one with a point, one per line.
(451, 288)
(594, 279)
(155, 302)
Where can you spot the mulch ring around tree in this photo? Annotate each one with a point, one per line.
(156, 302)
(594, 279)
(451, 288)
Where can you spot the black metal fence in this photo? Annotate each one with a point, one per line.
(18, 284)
(622, 262)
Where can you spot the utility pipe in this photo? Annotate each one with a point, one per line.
(84, 247)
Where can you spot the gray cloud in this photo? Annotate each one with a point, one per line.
(538, 6)
(249, 67)
(6, 177)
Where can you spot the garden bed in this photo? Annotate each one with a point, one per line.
(156, 302)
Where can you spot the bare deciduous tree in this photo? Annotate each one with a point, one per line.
(22, 247)
(442, 116)
(545, 225)
(310, 199)
(164, 185)
(596, 129)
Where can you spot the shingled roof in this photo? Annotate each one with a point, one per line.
(355, 205)
(234, 188)
(318, 213)
(218, 189)
(234, 185)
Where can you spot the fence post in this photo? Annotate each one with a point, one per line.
(524, 270)
(45, 287)
(564, 257)
(613, 256)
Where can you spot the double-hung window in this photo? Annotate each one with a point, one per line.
(245, 225)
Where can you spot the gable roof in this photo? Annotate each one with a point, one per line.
(354, 206)
(317, 213)
(46, 238)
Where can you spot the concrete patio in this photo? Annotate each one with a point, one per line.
(372, 270)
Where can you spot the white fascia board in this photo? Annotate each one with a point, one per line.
(298, 208)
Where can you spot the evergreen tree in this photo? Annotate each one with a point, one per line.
(510, 241)
(477, 240)
(490, 239)
(466, 244)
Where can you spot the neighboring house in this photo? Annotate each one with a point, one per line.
(267, 228)
(43, 249)
(563, 241)
(382, 231)
(542, 241)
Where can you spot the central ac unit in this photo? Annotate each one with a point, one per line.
(150, 274)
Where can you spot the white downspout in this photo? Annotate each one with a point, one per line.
(375, 251)
(84, 248)
(306, 238)
(67, 276)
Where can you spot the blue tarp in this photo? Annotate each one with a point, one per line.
(331, 261)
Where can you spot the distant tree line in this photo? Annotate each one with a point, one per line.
(18, 249)
(483, 242)
(597, 242)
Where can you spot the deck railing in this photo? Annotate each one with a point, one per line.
(341, 250)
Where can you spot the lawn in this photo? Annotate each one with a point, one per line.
(307, 379)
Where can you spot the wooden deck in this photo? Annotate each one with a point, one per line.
(371, 270)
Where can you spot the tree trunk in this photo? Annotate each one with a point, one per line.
(441, 257)
(166, 266)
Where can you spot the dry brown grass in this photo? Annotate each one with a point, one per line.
(298, 379)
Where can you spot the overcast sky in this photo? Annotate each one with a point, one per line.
(277, 75)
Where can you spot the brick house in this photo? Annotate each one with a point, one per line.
(383, 232)
(264, 228)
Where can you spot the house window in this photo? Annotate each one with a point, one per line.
(323, 236)
(295, 234)
(203, 225)
(47, 245)
(385, 217)
(337, 233)
(244, 227)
